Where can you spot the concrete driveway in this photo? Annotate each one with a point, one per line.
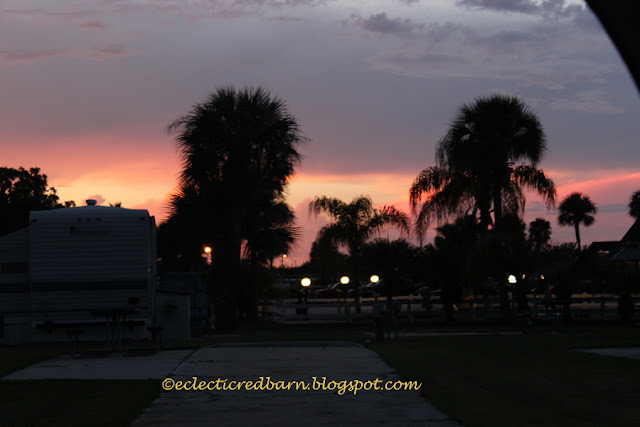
(344, 366)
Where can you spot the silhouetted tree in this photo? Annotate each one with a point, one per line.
(269, 233)
(577, 209)
(453, 247)
(391, 261)
(539, 234)
(23, 191)
(239, 149)
(634, 205)
(481, 164)
(326, 258)
(352, 224)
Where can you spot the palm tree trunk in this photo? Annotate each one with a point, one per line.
(225, 289)
(356, 281)
(577, 227)
(251, 296)
(497, 210)
(485, 216)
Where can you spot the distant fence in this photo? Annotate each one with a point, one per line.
(582, 307)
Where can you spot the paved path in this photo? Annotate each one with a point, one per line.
(628, 352)
(289, 362)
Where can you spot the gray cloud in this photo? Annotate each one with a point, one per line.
(554, 10)
(284, 19)
(613, 207)
(100, 53)
(400, 61)
(588, 101)
(559, 48)
(17, 56)
(521, 6)
(224, 9)
(47, 13)
(381, 24)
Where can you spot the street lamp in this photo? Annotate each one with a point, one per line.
(512, 279)
(374, 279)
(306, 282)
(344, 280)
(207, 253)
(282, 260)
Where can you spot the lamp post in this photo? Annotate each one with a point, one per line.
(207, 253)
(374, 279)
(282, 260)
(512, 281)
(306, 282)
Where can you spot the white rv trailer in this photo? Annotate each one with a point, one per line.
(83, 268)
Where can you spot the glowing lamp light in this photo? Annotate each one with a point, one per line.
(542, 276)
(374, 279)
(344, 280)
(512, 279)
(207, 249)
(305, 282)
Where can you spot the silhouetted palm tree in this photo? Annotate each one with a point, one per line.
(239, 148)
(352, 224)
(539, 234)
(577, 209)
(481, 164)
(392, 261)
(634, 205)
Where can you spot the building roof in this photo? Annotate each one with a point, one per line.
(633, 234)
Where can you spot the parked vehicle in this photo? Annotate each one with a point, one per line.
(312, 290)
(333, 291)
(370, 290)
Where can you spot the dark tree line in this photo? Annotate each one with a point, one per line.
(22, 191)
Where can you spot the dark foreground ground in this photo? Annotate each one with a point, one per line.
(535, 378)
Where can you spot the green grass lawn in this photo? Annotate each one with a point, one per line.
(74, 402)
(532, 379)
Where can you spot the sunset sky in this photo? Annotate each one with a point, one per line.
(87, 89)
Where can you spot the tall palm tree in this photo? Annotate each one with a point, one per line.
(634, 205)
(239, 148)
(352, 224)
(481, 164)
(577, 209)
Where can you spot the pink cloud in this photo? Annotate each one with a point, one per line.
(17, 56)
(615, 187)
